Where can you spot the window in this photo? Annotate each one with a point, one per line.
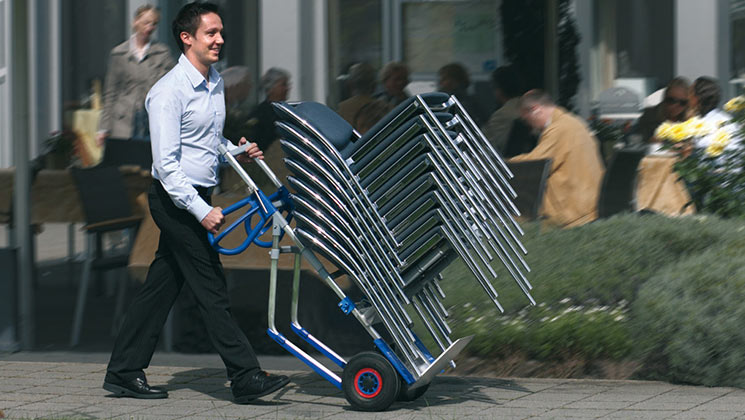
(355, 35)
(737, 14)
(441, 32)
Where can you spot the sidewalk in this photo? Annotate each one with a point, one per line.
(64, 390)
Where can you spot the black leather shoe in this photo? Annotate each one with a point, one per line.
(257, 385)
(136, 388)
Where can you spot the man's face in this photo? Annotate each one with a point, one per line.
(396, 82)
(206, 43)
(532, 115)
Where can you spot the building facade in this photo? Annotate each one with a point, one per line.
(51, 50)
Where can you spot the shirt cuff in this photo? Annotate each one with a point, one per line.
(199, 208)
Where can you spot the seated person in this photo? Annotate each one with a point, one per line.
(453, 79)
(704, 97)
(506, 132)
(674, 107)
(362, 84)
(573, 184)
(275, 84)
(395, 77)
(370, 114)
(237, 82)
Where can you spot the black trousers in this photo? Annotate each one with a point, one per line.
(184, 254)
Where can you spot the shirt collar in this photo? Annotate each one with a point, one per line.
(195, 77)
(134, 50)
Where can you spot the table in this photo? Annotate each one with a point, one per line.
(55, 199)
(253, 258)
(659, 189)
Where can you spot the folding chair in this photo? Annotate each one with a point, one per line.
(107, 209)
(619, 183)
(391, 209)
(530, 184)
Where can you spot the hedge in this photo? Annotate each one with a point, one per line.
(665, 292)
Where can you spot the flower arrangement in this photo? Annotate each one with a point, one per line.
(610, 134)
(710, 160)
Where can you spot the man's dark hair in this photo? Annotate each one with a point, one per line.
(457, 72)
(708, 93)
(188, 19)
(508, 80)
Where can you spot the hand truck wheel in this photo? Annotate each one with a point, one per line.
(370, 382)
(406, 394)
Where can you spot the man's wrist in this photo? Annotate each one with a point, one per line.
(199, 209)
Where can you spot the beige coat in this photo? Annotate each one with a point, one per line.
(127, 84)
(573, 185)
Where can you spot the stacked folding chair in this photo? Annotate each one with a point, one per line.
(391, 209)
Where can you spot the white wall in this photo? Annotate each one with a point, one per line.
(293, 37)
(702, 41)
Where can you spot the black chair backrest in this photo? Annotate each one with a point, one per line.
(520, 139)
(103, 195)
(529, 183)
(619, 183)
(127, 152)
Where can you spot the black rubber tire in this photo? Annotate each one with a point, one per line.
(369, 382)
(405, 394)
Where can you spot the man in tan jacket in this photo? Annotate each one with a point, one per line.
(576, 174)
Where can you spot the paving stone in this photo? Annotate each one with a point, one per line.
(26, 397)
(53, 407)
(610, 396)
(565, 413)
(8, 404)
(641, 414)
(693, 415)
(24, 414)
(598, 405)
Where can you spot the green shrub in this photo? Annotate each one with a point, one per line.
(689, 319)
(596, 269)
(600, 263)
(550, 333)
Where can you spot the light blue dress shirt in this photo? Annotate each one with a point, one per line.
(187, 116)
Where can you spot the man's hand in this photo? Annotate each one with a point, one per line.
(213, 220)
(252, 151)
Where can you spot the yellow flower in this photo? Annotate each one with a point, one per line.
(679, 132)
(714, 149)
(722, 137)
(663, 131)
(696, 127)
(719, 143)
(735, 104)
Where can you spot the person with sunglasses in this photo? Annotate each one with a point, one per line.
(674, 108)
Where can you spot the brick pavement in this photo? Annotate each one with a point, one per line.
(62, 390)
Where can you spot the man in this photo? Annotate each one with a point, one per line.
(674, 108)
(505, 130)
(362, 85)
(573, 184)
(187, 112)
(395, 77)
(453, 79)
